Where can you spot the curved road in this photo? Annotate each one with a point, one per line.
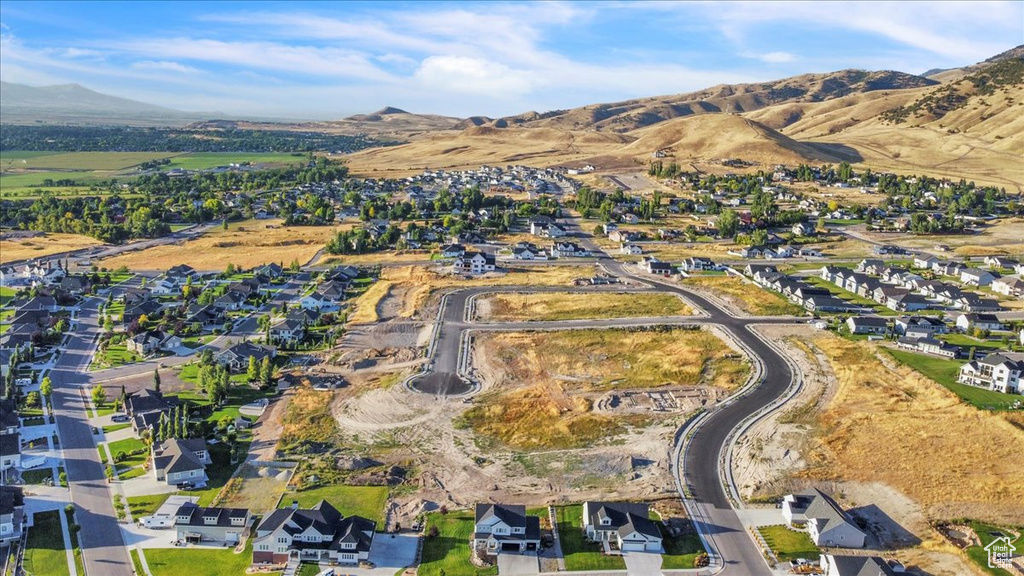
(700, 467)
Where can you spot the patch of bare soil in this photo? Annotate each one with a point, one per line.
(770, 452)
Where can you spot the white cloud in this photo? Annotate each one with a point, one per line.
(777, 57)
(462, 74)
(165, 65)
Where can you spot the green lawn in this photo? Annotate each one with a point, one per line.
(448, 552)
(945, 372)
(978, 555)
(788, 544)
(36, 476)
(206, 160)
(45, 553)
(136, 563)
(580, 554)
(141, 506)
(114, 355)
(967, 342)
(365, 501)
(680, 551)
(115, 428)
(137, 461)
(197, 562)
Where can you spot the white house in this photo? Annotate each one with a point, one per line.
(1009, 286)
(965, 322)
(867, 325)
(474, 263)
(826, 522)
(626, 525)
(500, 528)
(994, 372)
(195, 524)
(976, 277)
(177, 461)
(319, 534)
(630, 249)
(833, 565)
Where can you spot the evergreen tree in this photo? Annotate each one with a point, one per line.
(266, 372)
(156, 379)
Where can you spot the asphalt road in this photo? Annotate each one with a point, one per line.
(100, 537)
(700, 467)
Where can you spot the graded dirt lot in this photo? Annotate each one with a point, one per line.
(881, 403)
(17, 247)
(515, 307)
(245, 244)
(581, 385)
(999, 237)
(409, 287)
(744, 296)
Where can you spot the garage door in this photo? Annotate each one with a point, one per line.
(510, 547)
(231, 536)
(629, 546)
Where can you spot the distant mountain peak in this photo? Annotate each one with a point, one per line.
(389, 110)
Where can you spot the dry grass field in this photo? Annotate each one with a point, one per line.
(248, 243)
(954, 460)
(999, 237)
(746, 296)
(568, 370)
(42, 245)
(516, 307)
(413, 285)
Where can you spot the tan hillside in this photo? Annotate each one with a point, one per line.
(716, 136)
(631, 114)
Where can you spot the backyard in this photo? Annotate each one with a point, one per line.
(945, 373)
(447, 553)
(788, 544)
(365, 501)
(45, 553)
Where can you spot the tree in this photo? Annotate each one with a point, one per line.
(253, 374)
(266, 371)
(109, 472)
(759, 237)
(32, 400)
(156, 379)
(46, 388)
(728, 223)
(99, 396)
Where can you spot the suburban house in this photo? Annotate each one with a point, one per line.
(452, 250)
(148, 308)
(919, 326)
(1009, 286)
(505, 528)
(289, 330)
(976, 277)
(178, 461)
(803, 229)
(527, 251)
(697, 264)
(626, 525)
(12, 504)
(197, 524)
(1000, 262)
(867, 325)
(320, 533)
(833, 565)
(474, 263)
(995, 372)
(236, 358)
(929, 346)
(145, 408)
(631, 249)
(970, 321)
(181, 274)
(10, 437)
(568, 250)
(146, 343)
(826, 522)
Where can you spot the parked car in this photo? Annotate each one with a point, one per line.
(119, 418)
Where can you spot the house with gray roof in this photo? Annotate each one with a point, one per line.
(626, 525)
(833, 565)
(501, 528)
(178, 461)
(318, 534)
(197, 524)
(826, 522)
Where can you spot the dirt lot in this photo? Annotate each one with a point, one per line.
(17, 246)
(246, 244)
(409, 287)
(586, 386)
(1000, 237)
(567, 305)
(939, 452)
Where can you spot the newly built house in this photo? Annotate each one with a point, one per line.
(825, 520)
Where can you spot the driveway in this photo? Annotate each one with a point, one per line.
(389, 555)
(518, 564)
(642, 563)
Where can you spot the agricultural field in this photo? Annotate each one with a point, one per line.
(545, 306)
(411, 286)
(245, 244)
(43, 244)
(748, 297)
(207, 160)
(569, 371)
(882, 403)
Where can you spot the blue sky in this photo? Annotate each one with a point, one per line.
(323, 60)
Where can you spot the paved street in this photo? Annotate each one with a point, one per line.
(102, 546)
